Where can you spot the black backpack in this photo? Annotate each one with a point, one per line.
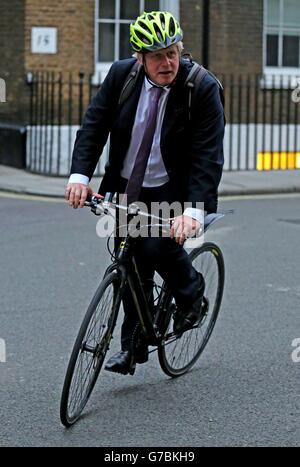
(192, 82)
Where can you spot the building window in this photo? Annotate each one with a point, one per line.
(112, 20)
(282, 34)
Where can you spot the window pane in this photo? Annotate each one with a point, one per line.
(273, 9)
(129, 9)
(125, 48)
(107, 9)
(291, 51)
(272, 50)
(106, 42)
(291, 13)
(151, 5)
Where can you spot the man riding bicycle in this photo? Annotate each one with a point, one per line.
(157, 154)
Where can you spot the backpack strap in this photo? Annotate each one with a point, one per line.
(221, 93)
(129, 83)
(196, 70)
(193, 82)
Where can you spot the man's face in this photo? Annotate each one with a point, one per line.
(162, 66)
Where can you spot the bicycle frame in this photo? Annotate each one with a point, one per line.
(125, 264)
(176, 354)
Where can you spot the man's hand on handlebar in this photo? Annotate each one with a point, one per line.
(183, 227)
(77, 193)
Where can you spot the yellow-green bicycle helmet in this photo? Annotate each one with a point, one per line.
(154, 31)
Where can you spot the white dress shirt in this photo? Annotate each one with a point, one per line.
(156, 174)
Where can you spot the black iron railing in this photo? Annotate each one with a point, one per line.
(262, 133)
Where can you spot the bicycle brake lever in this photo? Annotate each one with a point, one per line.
(107, 201)
(93, 202)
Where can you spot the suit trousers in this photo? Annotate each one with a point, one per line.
(163, 255)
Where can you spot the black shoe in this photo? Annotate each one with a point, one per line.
(141, 353)
(185, 319)
(139, 345)
(122, 362)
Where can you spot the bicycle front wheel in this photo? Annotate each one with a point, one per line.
(177, 354)
(90, 349)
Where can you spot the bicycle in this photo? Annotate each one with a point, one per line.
(176, 353)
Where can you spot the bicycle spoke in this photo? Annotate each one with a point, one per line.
(177, 355)
(89, 350)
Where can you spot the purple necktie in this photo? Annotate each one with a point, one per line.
(136, 178)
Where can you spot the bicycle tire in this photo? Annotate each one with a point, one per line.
(90, 348)
(174, 352)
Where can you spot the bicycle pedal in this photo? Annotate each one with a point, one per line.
(205, 306)
(132, 366)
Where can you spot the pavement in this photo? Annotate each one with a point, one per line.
(232, 184)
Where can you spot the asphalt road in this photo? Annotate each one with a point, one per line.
(244, 391)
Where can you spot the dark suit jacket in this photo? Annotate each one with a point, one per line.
(192, 151)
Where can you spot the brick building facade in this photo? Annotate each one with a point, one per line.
(90, 34)
(74, 20)
(12, 60)
(236, 34)
(235, 40)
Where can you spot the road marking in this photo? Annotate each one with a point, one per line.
(2, 351)
(259, 197)
(47, 199)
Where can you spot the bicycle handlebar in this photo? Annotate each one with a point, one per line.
(101, 206)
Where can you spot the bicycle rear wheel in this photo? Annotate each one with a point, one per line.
(90, 349)
(177, 354)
